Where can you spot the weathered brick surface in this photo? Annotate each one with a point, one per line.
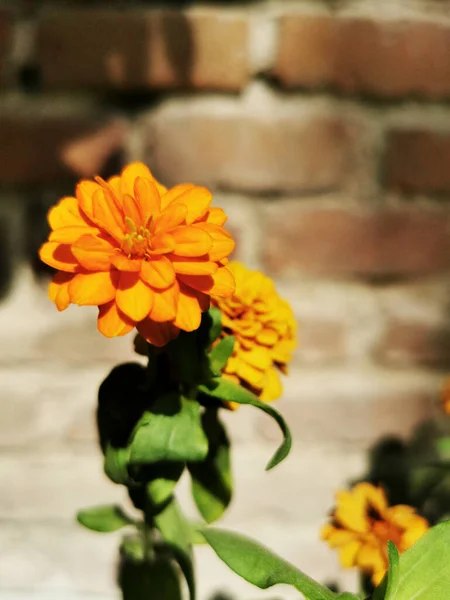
(253, 152)
(418, 161)
(141, 49)
(32, 144)
(385, 58)
(407, 241)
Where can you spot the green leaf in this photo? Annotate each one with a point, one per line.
(220, 354)
(425, 568)
(228, 391)
(104, 519)
(176, 532)
(261, 567)
(172, 431)
(116, 464)
(347, 596)
(388, 587)
(211, 479)
(141, 580)
(215, 328)
(162, 481)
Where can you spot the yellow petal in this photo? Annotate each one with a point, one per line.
(162, 243)
(148, 197)
(267, 337)
(192, 266)
(219, 284)
(93, 289)
(165, 304)
(93, 253)
(197, 200)
(348, 552)
(171, 217)
(259, 357)
(58, 290)
(222, 242)
(59, 256)
(271, 386)
(250, 374)
(84, 192)
(216, 216)
(174, 193)
(106, 216)
(132, 210)
(134, 298)
(158, 272)
(129, 175)
(67, 214)
(123, 263)
(157, 334)
(189, 311)
(69, 235)
(191, 241)
(111, 322)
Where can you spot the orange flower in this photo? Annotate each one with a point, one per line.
(264, 327)
(363, 523)
(148, 257)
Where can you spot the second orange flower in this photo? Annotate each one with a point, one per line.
(148, 257)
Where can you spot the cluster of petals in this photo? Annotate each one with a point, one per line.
(362, 524)
(264, 328)
(148, 257)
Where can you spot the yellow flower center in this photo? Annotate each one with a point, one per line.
(137, 242)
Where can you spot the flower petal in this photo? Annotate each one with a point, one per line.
(148, 198)
(171, 217)
(58, 290)
(58, 256)
(165, 304)
(163, 243)
(216, 216)
(192, 266)
(134, 298)
(219, 284)
(196, 198)
(93, 289)
(157, 334)
(158, 272)
(123, 263)
(174, 193)
(106, 215)
(131, 172)
(222, 242)
(271, 386)
(84, 192)
(191, 241)
(191, 304)
(132, 210)
(67, 214)
(70, 234)
(93, 253)
(111, 322)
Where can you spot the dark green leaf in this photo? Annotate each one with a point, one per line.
(261, 567)
(228, 391)
(157, 579)
(163, 480)
(176, 532)
(104, 519)
(215, 328)
(172, 431)
(211, 479)
(221, 352)
(425, 568)
(116, 464)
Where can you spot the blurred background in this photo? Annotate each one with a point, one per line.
(323, 129)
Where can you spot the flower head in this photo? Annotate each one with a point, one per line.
(363, 523)
(264, 327)
(148, 257)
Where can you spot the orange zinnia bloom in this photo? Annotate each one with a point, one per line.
(362, 524)
(148, 257)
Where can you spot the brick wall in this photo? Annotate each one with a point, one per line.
(323, 127)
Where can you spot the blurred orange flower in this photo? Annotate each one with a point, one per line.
(264, 327)
(148, 257)
(446, 396)
(362, 524)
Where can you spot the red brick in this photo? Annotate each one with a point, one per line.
(386, 58)
(144, 49)
(418, 161)
(258, 153)
(406, 343)
(32, 145)
(407, 241)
